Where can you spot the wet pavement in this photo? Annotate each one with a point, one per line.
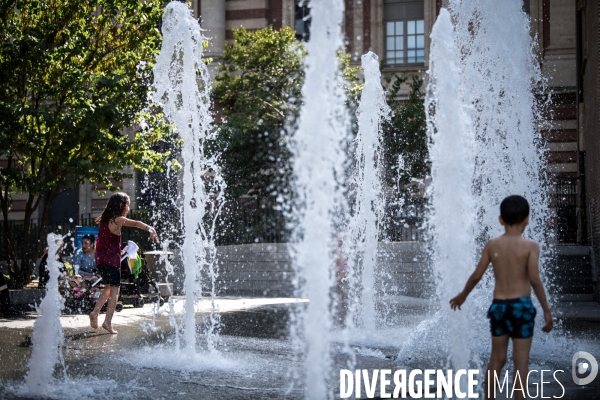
(255, 358)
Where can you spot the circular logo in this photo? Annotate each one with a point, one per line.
(582, 367)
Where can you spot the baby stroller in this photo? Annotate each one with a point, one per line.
(135, 279)
(82, 295)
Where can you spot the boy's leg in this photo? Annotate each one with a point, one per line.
(497, 361)
(521, 349)
(104, 294)
(110, 309)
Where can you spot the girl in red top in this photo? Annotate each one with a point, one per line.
(108, 254)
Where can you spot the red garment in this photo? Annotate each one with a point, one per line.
(108, 247)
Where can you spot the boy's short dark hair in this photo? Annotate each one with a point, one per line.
(514, 209)
(89, 237)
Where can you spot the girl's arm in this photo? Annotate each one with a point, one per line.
(140, 225)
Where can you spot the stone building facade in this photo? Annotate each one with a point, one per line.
(588, 96)
(398, 32)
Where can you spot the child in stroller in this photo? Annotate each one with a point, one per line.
(135, 278)
(82, 293)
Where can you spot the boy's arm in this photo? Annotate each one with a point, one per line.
(138, 224)
(475, 277)
(533, 270)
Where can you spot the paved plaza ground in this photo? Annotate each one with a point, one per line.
(255, 360)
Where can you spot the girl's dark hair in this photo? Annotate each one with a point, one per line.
(115, 206)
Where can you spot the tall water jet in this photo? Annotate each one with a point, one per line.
(47, 335)
(451, 149)
(499, 78)
(318, 165)
(368, 210)
(182, 83)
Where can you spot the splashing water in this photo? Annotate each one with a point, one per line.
(451, 147)
(369, 208)
(499, 156)
(499, 79)
(48, 336)
(182, 86)
(318, 164)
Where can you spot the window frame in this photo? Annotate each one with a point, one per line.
(405, 39)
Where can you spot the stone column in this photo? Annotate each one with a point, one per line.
(213, 21)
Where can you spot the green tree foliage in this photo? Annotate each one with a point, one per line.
(74, 74)
(405, 134)
(259, 87)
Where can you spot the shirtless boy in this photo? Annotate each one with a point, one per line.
(515, 264)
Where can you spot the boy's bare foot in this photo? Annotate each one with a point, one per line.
(109, 328)
(94, 320)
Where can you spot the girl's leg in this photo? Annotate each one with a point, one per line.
(521, 349)
(497, 361)
(104, 294)
(110, 309)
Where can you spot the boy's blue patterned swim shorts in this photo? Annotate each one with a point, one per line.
(513, 317)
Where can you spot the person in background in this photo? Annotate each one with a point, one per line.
(86, 257)
(43, 275)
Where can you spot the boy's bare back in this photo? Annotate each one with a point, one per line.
(515, 262)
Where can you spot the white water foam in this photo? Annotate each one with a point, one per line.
(161, 357)
(497, 79)
(368, 210)
(318, 165)
(451, 148)
(47, 336)
(76, 388)
(182, 85)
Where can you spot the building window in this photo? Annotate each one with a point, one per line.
(404, 32)
(302, 20)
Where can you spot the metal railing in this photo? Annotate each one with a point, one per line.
(565, 201)
(404, 223)
(244, 221)
(241, 221)
(65, 228)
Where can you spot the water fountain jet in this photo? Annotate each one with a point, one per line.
(182, 84)
(368, 210)
(47, 335)
(451, 148)
(318, 165)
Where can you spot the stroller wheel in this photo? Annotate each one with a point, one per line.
(138, 303)
(119, 307)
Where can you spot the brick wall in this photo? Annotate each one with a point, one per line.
(252, 14)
